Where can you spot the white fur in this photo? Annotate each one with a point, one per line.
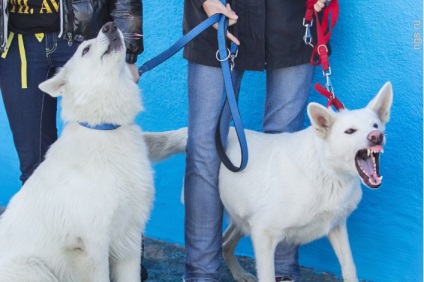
(80, 216)
(299, 186)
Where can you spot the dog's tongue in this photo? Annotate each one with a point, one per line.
(368, 167)
(374, 178)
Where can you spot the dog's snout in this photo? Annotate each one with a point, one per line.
(376, 137)
(109, 27)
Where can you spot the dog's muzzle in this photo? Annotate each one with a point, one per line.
(110, 30)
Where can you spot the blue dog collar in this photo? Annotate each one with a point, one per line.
(103, 126)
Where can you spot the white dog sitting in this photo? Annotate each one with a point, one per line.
(301, 186)
(80, 216)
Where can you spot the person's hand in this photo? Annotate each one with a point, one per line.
(212, 7)
(134, 72)
(319, 5)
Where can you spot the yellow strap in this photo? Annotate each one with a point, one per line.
(9, 41)
(23, 61)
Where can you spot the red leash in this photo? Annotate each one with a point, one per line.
(325, 25)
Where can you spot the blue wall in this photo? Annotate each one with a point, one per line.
(373, 43)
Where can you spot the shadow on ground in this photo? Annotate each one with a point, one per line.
(165, 262)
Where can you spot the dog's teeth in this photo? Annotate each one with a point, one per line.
(381, 178)
(382, 150)
(368, 152)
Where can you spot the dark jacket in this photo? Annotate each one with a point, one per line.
(270, 32)
(83, 19)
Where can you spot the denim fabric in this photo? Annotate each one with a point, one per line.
(285, 105)
(287, 92)
(31, 112)
(203, 207)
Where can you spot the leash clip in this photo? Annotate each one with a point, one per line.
(232, 58)
(328, 84)
(307, 38)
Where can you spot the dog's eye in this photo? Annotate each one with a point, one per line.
(350, 131)
(375, 125)
(85, 51)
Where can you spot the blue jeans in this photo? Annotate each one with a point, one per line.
(287, 95)
(31, 112)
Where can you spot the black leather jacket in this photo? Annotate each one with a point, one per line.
(270, 32)
(82, 19)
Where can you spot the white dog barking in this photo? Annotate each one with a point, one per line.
(80, 216)
(301, 186)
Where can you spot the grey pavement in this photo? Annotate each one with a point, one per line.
(165, 262)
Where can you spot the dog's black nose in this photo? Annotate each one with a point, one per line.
(109, 27)
(376, 137)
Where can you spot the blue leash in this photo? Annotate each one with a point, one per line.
(230, 99)
(228, 95)
(179, 44)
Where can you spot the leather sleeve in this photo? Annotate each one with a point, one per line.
(128, 15)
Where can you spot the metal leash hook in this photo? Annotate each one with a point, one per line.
(233, 56)
(307, 38)
(230, 57)
(328, 84)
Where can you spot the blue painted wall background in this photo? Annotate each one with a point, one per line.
(373, 42)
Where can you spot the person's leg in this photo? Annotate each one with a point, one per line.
(31, 113)
(286, 99)
(203, 207)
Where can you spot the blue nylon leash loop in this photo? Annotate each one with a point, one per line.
(229, 97)
(228, 94)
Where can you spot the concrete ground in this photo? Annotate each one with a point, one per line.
(165, 262)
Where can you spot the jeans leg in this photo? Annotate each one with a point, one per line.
(31, 113)
(287, 96)
(203, 207)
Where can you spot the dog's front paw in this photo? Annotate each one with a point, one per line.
(245, 277)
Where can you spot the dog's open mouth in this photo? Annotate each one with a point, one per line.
(367, 163)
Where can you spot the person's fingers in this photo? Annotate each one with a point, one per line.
(319, 5)
(233, 38)
(134, 72)
(231, 14)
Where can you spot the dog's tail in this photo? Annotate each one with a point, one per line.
(164, 144)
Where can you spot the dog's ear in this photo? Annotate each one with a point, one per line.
(55, 85)
(382, 102)
(321, 118)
